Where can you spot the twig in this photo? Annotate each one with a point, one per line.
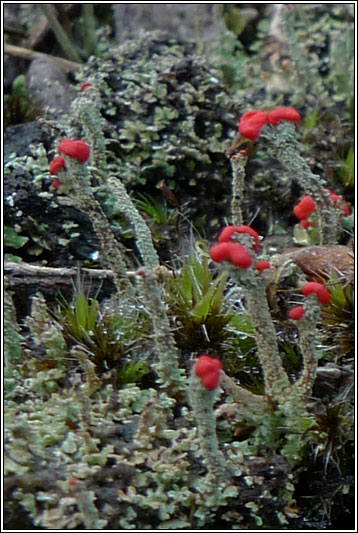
(29, 274)
(62, 38)
(25, 53)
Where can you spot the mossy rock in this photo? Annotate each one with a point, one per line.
(168, 118)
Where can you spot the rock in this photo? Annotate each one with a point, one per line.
(179, 21)
(50, 88)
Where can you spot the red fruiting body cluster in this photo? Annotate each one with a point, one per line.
(229, 231)
(296, 313)
(251, 122)
(208, 370)
(85, 85)
(283, 113)
(77, 149)
(313, 287)
(56, 183)
(304, 223)
(220, 252)
(238, 255)
(262, 264)
(304, 209)
(234, 252)
(339, 202)
(57, 164)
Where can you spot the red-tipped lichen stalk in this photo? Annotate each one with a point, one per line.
(204, 381)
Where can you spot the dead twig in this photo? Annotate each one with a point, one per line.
(23, 273)
(25, 53)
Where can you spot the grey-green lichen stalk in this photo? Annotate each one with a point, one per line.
(142, 233)
(238, 162)
(202, 401)
(76, 179)
(307, 343)
(291, 398)
(170, 375)
(254, 284)
(86, 108)
(282, 145)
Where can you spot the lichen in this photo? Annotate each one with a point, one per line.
(83, 450)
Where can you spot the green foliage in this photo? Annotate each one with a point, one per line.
(228, 54)
(167, 224)
(234, 19)
(240, 323)
(108, 340)
(18, 107)
(81, 318)
(338, 316)
(239, 356)
(153, 209)
(346, 169)
(341, 293)
(333, 429)
(195, 298)
(290, 356)
(310, 120)
(13, 240)
(132, 372)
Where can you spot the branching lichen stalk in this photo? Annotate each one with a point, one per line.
(254, 285)
(86, 108)
(247, 400)
(143, 236)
